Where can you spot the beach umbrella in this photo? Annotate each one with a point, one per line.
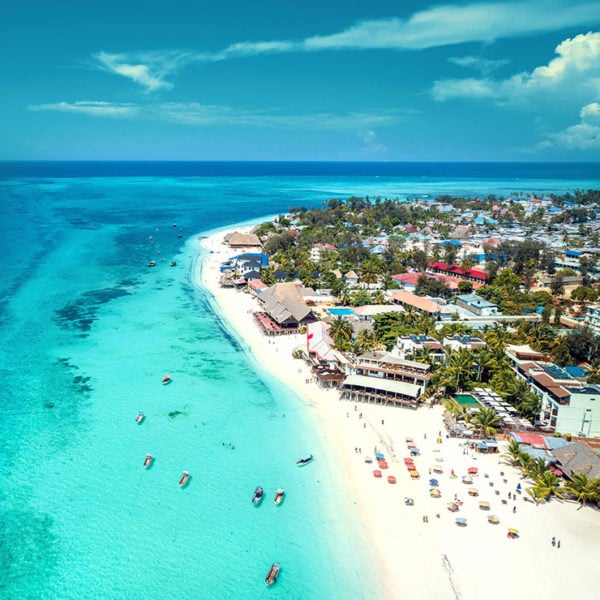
(453, 507)
(513, 531)
(472, 470)
(484, 505)
(467, 480)
(409, 439)
(473, 492)
(519, 486)
(435, 493)
(411, 467)
(379, 456)
(376, 473)
(461, 521)
(408, 501)
(382, 464)
(415, 474)
(433, 482)
(437, 469)
(408, 461)
(493, 519)
(391, 479)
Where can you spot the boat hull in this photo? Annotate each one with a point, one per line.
(272, 575)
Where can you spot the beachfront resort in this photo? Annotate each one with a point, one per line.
(453, 355)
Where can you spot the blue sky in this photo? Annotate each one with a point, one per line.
(290, 80)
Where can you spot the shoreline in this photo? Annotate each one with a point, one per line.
(434, 559)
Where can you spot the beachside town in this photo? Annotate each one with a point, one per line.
(488, 307)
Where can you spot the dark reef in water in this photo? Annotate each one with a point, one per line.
(81, 314)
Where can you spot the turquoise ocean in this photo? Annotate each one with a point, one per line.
(87, 332)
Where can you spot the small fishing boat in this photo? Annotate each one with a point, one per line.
(140, 417)
(152, 263)
(185, 477)
(166, 379)
(173, 263)
(304, 460)
(272, 575)
(257, 496)
(148, 461)
(279, 494)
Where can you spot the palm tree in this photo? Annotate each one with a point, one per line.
(535, 468)
(341, 333)
(460, 370)
(545, 486)
(583, 488)
(513, 452)
(379, 297)
(486, 363)
(487, 421)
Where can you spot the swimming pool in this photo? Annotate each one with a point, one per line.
(340, 312)
(466, 400)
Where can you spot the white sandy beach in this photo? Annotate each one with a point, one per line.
(437, 559)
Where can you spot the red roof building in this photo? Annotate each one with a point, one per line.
(456, 271)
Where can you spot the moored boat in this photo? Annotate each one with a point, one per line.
(140, 417)
(272, 575)
(166, 379)
(152, 263)
(279, 494)
(305, 460)
(148, 461)
(257, 496)
(185, 478)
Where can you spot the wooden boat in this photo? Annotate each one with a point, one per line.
(166, 379)
(257, 496)
(140, 417)
(185, 477)
(272, 575)
(148, 461)
(305, 460)
(279, 494)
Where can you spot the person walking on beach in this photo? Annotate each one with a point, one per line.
(553, 542)
(558, 544)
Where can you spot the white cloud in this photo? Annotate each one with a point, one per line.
(371, 146)
(462, 88)
(573, 75)
(483, 65)
(454, 24)
(437, 26)
(94, 109)
(147, 70)
(197, 114)
(585, 135)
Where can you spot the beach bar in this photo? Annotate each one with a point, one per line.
(380, 391)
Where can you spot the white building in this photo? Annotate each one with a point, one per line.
(592, 317)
